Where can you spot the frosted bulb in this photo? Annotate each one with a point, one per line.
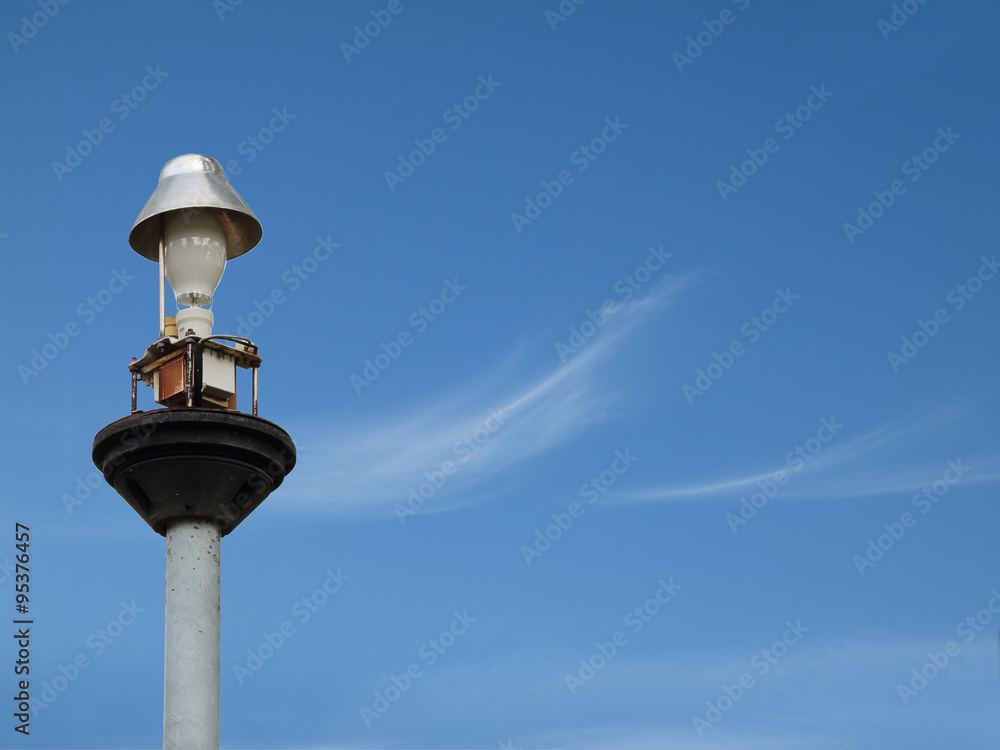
(194, 253)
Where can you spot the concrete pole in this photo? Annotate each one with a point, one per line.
(191, 651)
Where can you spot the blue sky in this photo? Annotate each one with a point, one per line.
(684, 348)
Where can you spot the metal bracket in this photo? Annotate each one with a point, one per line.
(245, 355)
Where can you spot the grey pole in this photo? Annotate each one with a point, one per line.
(192, 471)
(191, 651)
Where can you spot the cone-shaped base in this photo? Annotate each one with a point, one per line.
(211, 464)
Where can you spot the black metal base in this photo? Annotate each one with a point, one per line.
(213, 464)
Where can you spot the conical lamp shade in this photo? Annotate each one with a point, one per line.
(195, 181)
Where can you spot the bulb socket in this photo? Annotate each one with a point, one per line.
(197, 319)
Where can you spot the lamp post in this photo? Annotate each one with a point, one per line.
(196, 468)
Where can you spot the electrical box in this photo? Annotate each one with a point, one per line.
(175, 370)
(218, 379)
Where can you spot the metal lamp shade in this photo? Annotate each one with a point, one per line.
(195, 181)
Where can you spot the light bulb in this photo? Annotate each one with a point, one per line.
(194, 255)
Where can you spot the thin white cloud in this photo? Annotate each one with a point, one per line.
(365, 469)
(658, 738)
(878, 462)
(825, 694)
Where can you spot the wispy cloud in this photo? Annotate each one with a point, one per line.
(658, 738)
(827, 694)
(892, 457)
(365, 468)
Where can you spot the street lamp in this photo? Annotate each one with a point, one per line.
(196, 468)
